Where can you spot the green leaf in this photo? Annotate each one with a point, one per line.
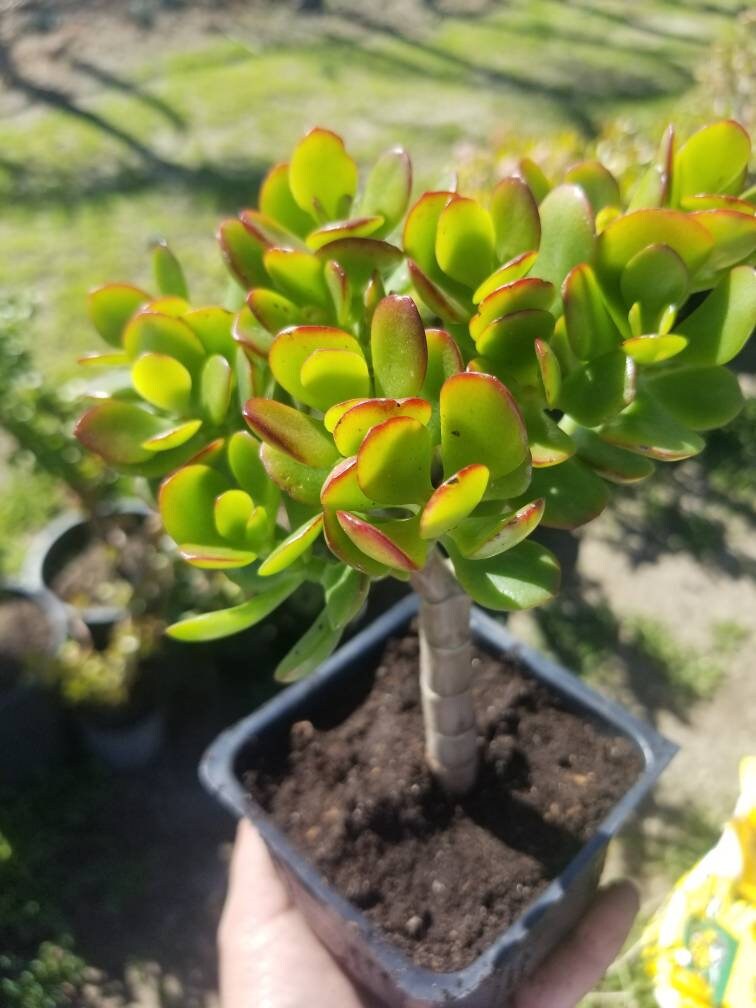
(345, 594)
(515, 269)
(243, 455)
(655, 278)
(573, 495)
(310, 651)
(719, 328)
(567, 234)
(301, 482)
(654, 349)
(224, 622)
(654, 187)
(548, 444)
(435, 297)
(354, 423)
(338, 291)
(420, 228)
(734, 237)
(465, 241)
(299, 275)
(384, 542)
(272, 310)
(598, 389)
(187, 504)
(481, 538)
(290, 431)
(291, 349)
(713, 160)
(597, 182)
(512, 484)
(215, 388)
(398, 347)
(341, 490)
(361, 257)
(276, 201)
(110, 308)
(117, 431)
(453, 500)
(345, 550)
(527, 293)
(648, 429)
(387, 188)
(444, 360)
(701, 398)
(355, 227)
(523, 577)
(232, 510)
(322, 176)
(174, 437)
(250, 334)
(550, 371)
(515, 218)
(534, 178)
(163, 382)
(608, 461)
(331, 376)
(292, 547)
(153, 332)
(480, 423)
(510, 342)
(208, 557)
(169, 276)
(394, 461)
(242, 253)
(590, 329)
(213, 327)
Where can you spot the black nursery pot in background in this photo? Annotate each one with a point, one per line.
(352, 939)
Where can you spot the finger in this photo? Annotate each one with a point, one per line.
(252, 872)
(580, 962)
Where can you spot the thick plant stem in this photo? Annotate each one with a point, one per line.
(446, 676)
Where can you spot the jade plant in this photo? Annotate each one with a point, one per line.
(410, 394)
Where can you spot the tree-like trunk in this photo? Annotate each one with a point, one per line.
(446, 676)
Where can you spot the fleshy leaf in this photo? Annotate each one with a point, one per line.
(344, 549)
(291, 349)
(444, 360)
(187, 504)
(647, 428)
(589, 326)
(338, 290)
(286, 429)
(435, 297)
(654, 349)
(111, 307)
(242, 252)
(598, 389)
(481, 538)
(515, 218)
(465, 241)
(573, 494)
(163, 382)
(361, 257)
(276, 201)
(655, 277)
(169, 276)
(597, 182)
(548, 444)
(480, 423)
(272, 310)
(341, 491)
(453, 500)
(701, 398)
(527, 293)
(394, 461)
(567, 234)
(243, 455)
(213, 326)
(355, 227)
(376, 541)
(515, 269)
(520, 578)
(345, 594)
(510, 342)
(387, 188)
(511, 485)
(734, 237)
(292, 547)
(330, 376)
(301, 482)
(117, 431)
(152, 332)
(322, 176)
(533, 176)
(610, 462)
(398, 347)
(232, 510)
(298, 275)
(713, 160)
(248, 333)
(419, 237)
(174, 437)
(311, 650)
(719, 328)
(215, 388)
(354, 424)
(224, 622)
(550, 371)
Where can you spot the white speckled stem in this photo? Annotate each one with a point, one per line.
(451, 737)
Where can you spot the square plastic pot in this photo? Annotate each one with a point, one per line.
(357, 944)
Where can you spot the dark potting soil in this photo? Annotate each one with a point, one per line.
(441, 877)
(24, 636)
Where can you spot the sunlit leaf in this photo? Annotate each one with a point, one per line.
(224, 622)
(394, 460)
(111, 307)
(520, 578)
(398, 348)
(286, 429)
(292, 547)
(322, 176)
(453, 500)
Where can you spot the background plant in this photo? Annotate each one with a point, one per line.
(585, 338)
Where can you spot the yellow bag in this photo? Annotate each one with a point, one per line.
(700, 948)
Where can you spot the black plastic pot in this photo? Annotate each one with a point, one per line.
(343, 929)
(31, 739)
(62, 539)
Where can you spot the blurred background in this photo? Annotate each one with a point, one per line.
(123, 122)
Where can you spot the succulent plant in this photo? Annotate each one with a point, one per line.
(563, 342)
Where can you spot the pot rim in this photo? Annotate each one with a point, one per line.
(217, 773)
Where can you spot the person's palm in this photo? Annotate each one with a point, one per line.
(270, 959)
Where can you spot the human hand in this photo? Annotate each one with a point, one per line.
(269, 958)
